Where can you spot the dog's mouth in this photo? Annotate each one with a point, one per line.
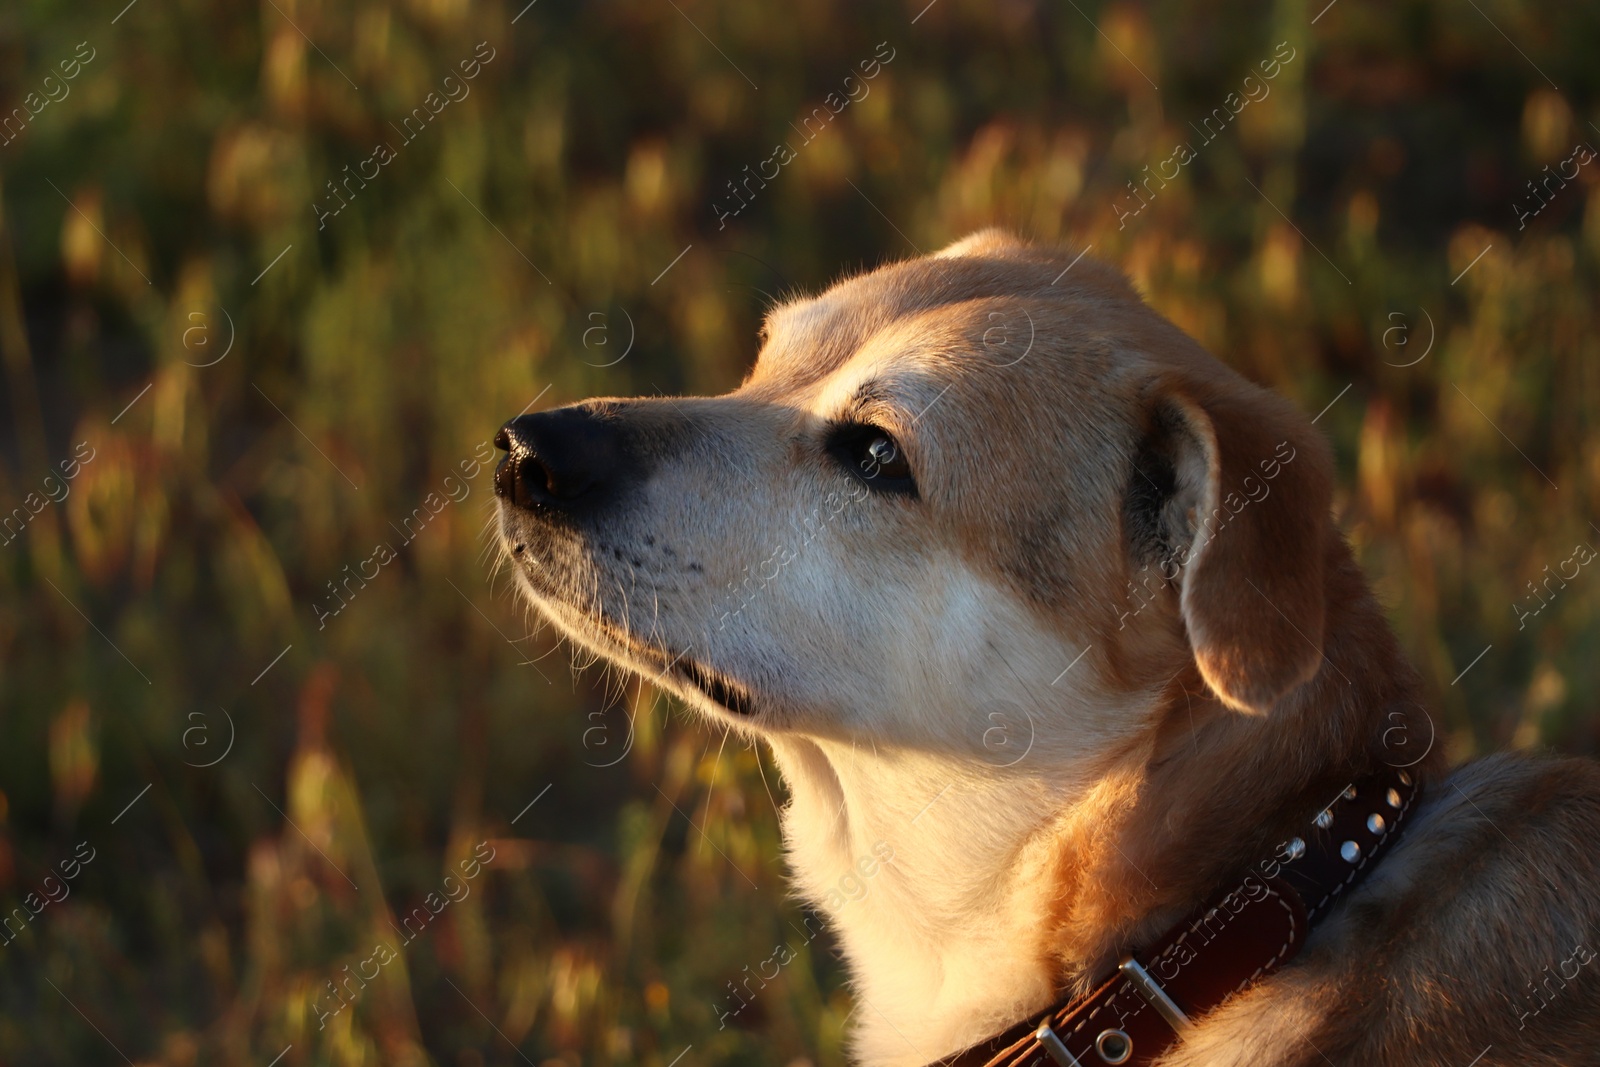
(717, 687)
(727, 694)
(651, 658)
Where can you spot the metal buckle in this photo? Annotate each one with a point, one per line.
(1052, 1044)
(1147, 987)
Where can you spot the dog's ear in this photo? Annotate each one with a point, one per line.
(1231, 491)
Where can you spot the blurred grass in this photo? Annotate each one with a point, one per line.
(141, 614)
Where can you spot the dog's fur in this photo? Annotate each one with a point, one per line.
(1111, 652)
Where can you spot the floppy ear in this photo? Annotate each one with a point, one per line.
(1243, 484)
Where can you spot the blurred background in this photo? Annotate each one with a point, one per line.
(272, 274)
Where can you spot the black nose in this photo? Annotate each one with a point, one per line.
(560, 459)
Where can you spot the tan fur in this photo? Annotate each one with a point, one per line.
(1098, 497)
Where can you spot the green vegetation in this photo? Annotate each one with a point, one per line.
(271, 275)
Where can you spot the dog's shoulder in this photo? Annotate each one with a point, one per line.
(1480, 933)
(1502, 831)
(1477, 940)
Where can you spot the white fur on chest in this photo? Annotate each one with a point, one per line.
(947, 939)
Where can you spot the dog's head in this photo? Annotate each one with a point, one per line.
(986, 479)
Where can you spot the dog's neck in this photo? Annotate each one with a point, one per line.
(1004, 889)
(946, 935)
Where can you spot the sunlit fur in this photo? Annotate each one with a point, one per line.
(1064, 753)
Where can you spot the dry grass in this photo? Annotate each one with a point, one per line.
(140, 614)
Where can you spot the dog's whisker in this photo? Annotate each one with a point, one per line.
(711, 787)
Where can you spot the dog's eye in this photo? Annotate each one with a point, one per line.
(883, 459)
(874, 457)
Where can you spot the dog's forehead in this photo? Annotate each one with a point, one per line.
(808, 338)
(907, 327)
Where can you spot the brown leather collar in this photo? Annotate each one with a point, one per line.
(1143, 1009)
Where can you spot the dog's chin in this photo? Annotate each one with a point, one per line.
(724, 693)
(712, 690)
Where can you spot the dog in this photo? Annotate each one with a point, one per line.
(1027, 591)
